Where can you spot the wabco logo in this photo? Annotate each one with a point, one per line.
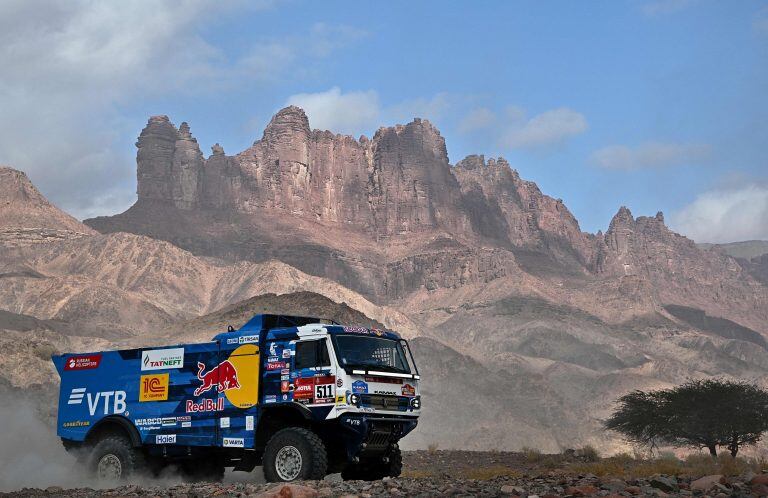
(162, 359)
(78, 394)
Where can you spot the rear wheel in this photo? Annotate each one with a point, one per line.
(374, 470)
(113, 459)
(294, 454)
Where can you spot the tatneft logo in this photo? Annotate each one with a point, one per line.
(165, 439)
(233, 442)
(161, 359)
(78, 394)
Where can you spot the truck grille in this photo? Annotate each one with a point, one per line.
(385, 402)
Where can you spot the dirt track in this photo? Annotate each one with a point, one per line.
(456, 473)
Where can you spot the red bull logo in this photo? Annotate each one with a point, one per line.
(223, 376)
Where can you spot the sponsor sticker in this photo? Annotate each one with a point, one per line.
(76, 423)
(359, 387)
(186, 424)
(246, 339)
(162, 359)
(249, 422)
(205, 405)
(303, 389)
(356, 330)
(391, 393)
(85, 362)
(408, 390)
(285, 371)
(153, 387)
(222, 377)
(286, 353)
(113, 402)
(339, 382)
(276, 365)
(315, 389)
(285, 386)
(224, 422)
(270, 398)
(325, 389)
(165, 439)
(233, 442)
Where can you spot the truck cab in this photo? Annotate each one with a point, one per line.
(301, 396)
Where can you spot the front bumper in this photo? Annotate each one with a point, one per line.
(371, 435)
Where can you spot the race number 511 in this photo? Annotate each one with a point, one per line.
(324, 391)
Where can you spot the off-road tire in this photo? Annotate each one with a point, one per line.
(314, 458)
(375, 470)
(131, 459)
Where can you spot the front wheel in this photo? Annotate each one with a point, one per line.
(113, 459)
(294, 454)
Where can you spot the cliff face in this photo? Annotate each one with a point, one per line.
(391, 218)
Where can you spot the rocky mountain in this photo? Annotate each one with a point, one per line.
(390, 218)
(512, 308)
(26, 217)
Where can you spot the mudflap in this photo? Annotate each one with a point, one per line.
(367, 436)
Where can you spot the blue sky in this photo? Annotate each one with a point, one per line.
(657, 105)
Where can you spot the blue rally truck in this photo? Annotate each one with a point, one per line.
(303, 397)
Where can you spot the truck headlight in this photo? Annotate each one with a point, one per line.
(354, 399)
(416, 403)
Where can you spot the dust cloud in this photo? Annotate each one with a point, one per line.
(30, 453)
(32, 456)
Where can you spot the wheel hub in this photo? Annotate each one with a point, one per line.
(109, 467)
(288, 463)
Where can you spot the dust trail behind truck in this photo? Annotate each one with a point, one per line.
(302, 396)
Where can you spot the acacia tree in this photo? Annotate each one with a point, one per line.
(700, 413)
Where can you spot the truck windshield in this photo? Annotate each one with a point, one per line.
(373, 353)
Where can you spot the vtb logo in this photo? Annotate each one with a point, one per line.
(153, 387)
(77, 395)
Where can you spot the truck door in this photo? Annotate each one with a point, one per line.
(238, 395)
(316, 380)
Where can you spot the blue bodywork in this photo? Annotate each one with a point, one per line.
(204, 395)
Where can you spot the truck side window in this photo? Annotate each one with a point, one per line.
(312, 354)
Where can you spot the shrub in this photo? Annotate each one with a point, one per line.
(531, 454)
(589, 454)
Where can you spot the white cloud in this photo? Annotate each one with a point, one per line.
(360, 112)
(649, 155)
(729, 215)
(346, 113)
(69, 67)
(546, 129)
(477, 119)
